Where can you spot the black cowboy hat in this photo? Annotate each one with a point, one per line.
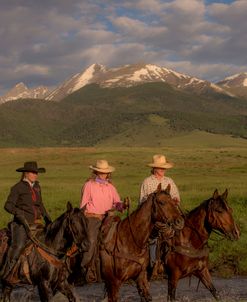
(31, 166)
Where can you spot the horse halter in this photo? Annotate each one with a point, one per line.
(164, 223)
(211, 213)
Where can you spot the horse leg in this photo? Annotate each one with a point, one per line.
(66, 289)
(45, 291)
(112, 288)
(6, 292)
(172, 286)
(143, 287)
(206, 279)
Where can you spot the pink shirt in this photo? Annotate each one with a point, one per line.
(99, 197)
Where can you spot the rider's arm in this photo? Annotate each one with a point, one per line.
(85, 194)
(174, 191)
(10, 204)
(143, 192)
(117, 203)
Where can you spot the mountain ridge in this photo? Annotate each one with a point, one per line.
(124, 76)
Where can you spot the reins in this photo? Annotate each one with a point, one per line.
(133, 237)
(159, 225)
(49, 250)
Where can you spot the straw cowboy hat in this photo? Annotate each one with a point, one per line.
(31, 166)
(102, 166)
(159, 161)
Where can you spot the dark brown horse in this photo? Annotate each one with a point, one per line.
(126, 255)
(188, 254)
(43, 264)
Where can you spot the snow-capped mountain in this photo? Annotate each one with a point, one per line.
(123, 76)
(79, 80)
(236, 84)
(21, 91)
(130, 75)
(236, 80)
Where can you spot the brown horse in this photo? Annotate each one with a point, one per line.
(126, 255)
(188, 253)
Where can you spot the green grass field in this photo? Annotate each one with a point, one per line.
(203, 162)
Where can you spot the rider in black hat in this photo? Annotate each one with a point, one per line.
(25, 203)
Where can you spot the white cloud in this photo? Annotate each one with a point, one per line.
(45, 42)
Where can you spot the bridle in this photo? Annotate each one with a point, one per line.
(77, 243)
(164, 224)
(222, 233)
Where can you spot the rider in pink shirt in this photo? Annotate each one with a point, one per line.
(98, 196)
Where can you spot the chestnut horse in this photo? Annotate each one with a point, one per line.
(43, 264)
(126, 255)
(188, 254)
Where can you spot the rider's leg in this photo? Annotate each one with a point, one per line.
(93, 231)
(18, 241)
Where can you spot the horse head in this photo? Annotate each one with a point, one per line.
(77, 227)
(220, 216)
(165, 210)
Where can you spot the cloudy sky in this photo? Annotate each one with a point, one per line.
(46, 42)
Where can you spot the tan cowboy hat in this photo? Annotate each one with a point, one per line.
(102, 166)
(159, 161)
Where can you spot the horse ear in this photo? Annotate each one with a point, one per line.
(224, 195)
(168, 189)
(83, 209)
(158, 188)
(216, 194)
(69, 207)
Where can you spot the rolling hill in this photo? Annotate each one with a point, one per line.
(141, 115)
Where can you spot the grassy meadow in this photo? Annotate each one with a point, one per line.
(203, 162)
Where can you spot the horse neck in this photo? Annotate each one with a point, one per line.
(195, 227)
(141, 223)
(54, 237)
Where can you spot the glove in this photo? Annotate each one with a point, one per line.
(21, 219)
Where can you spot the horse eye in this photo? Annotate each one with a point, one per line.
(219, 210)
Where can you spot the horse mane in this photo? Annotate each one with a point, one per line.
(143, 204)
(55, 228)
(202, 205)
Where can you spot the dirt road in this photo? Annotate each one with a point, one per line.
(231, 290)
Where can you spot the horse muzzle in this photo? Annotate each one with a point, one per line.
(235, 234)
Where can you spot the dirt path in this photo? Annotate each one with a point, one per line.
(231, 290)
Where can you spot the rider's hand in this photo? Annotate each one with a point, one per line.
(126, 203)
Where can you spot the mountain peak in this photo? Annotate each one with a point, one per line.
(21, 91)
(130, 75)
(236, 80)
(20, 85)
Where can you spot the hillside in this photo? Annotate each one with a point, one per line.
(142, 114)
